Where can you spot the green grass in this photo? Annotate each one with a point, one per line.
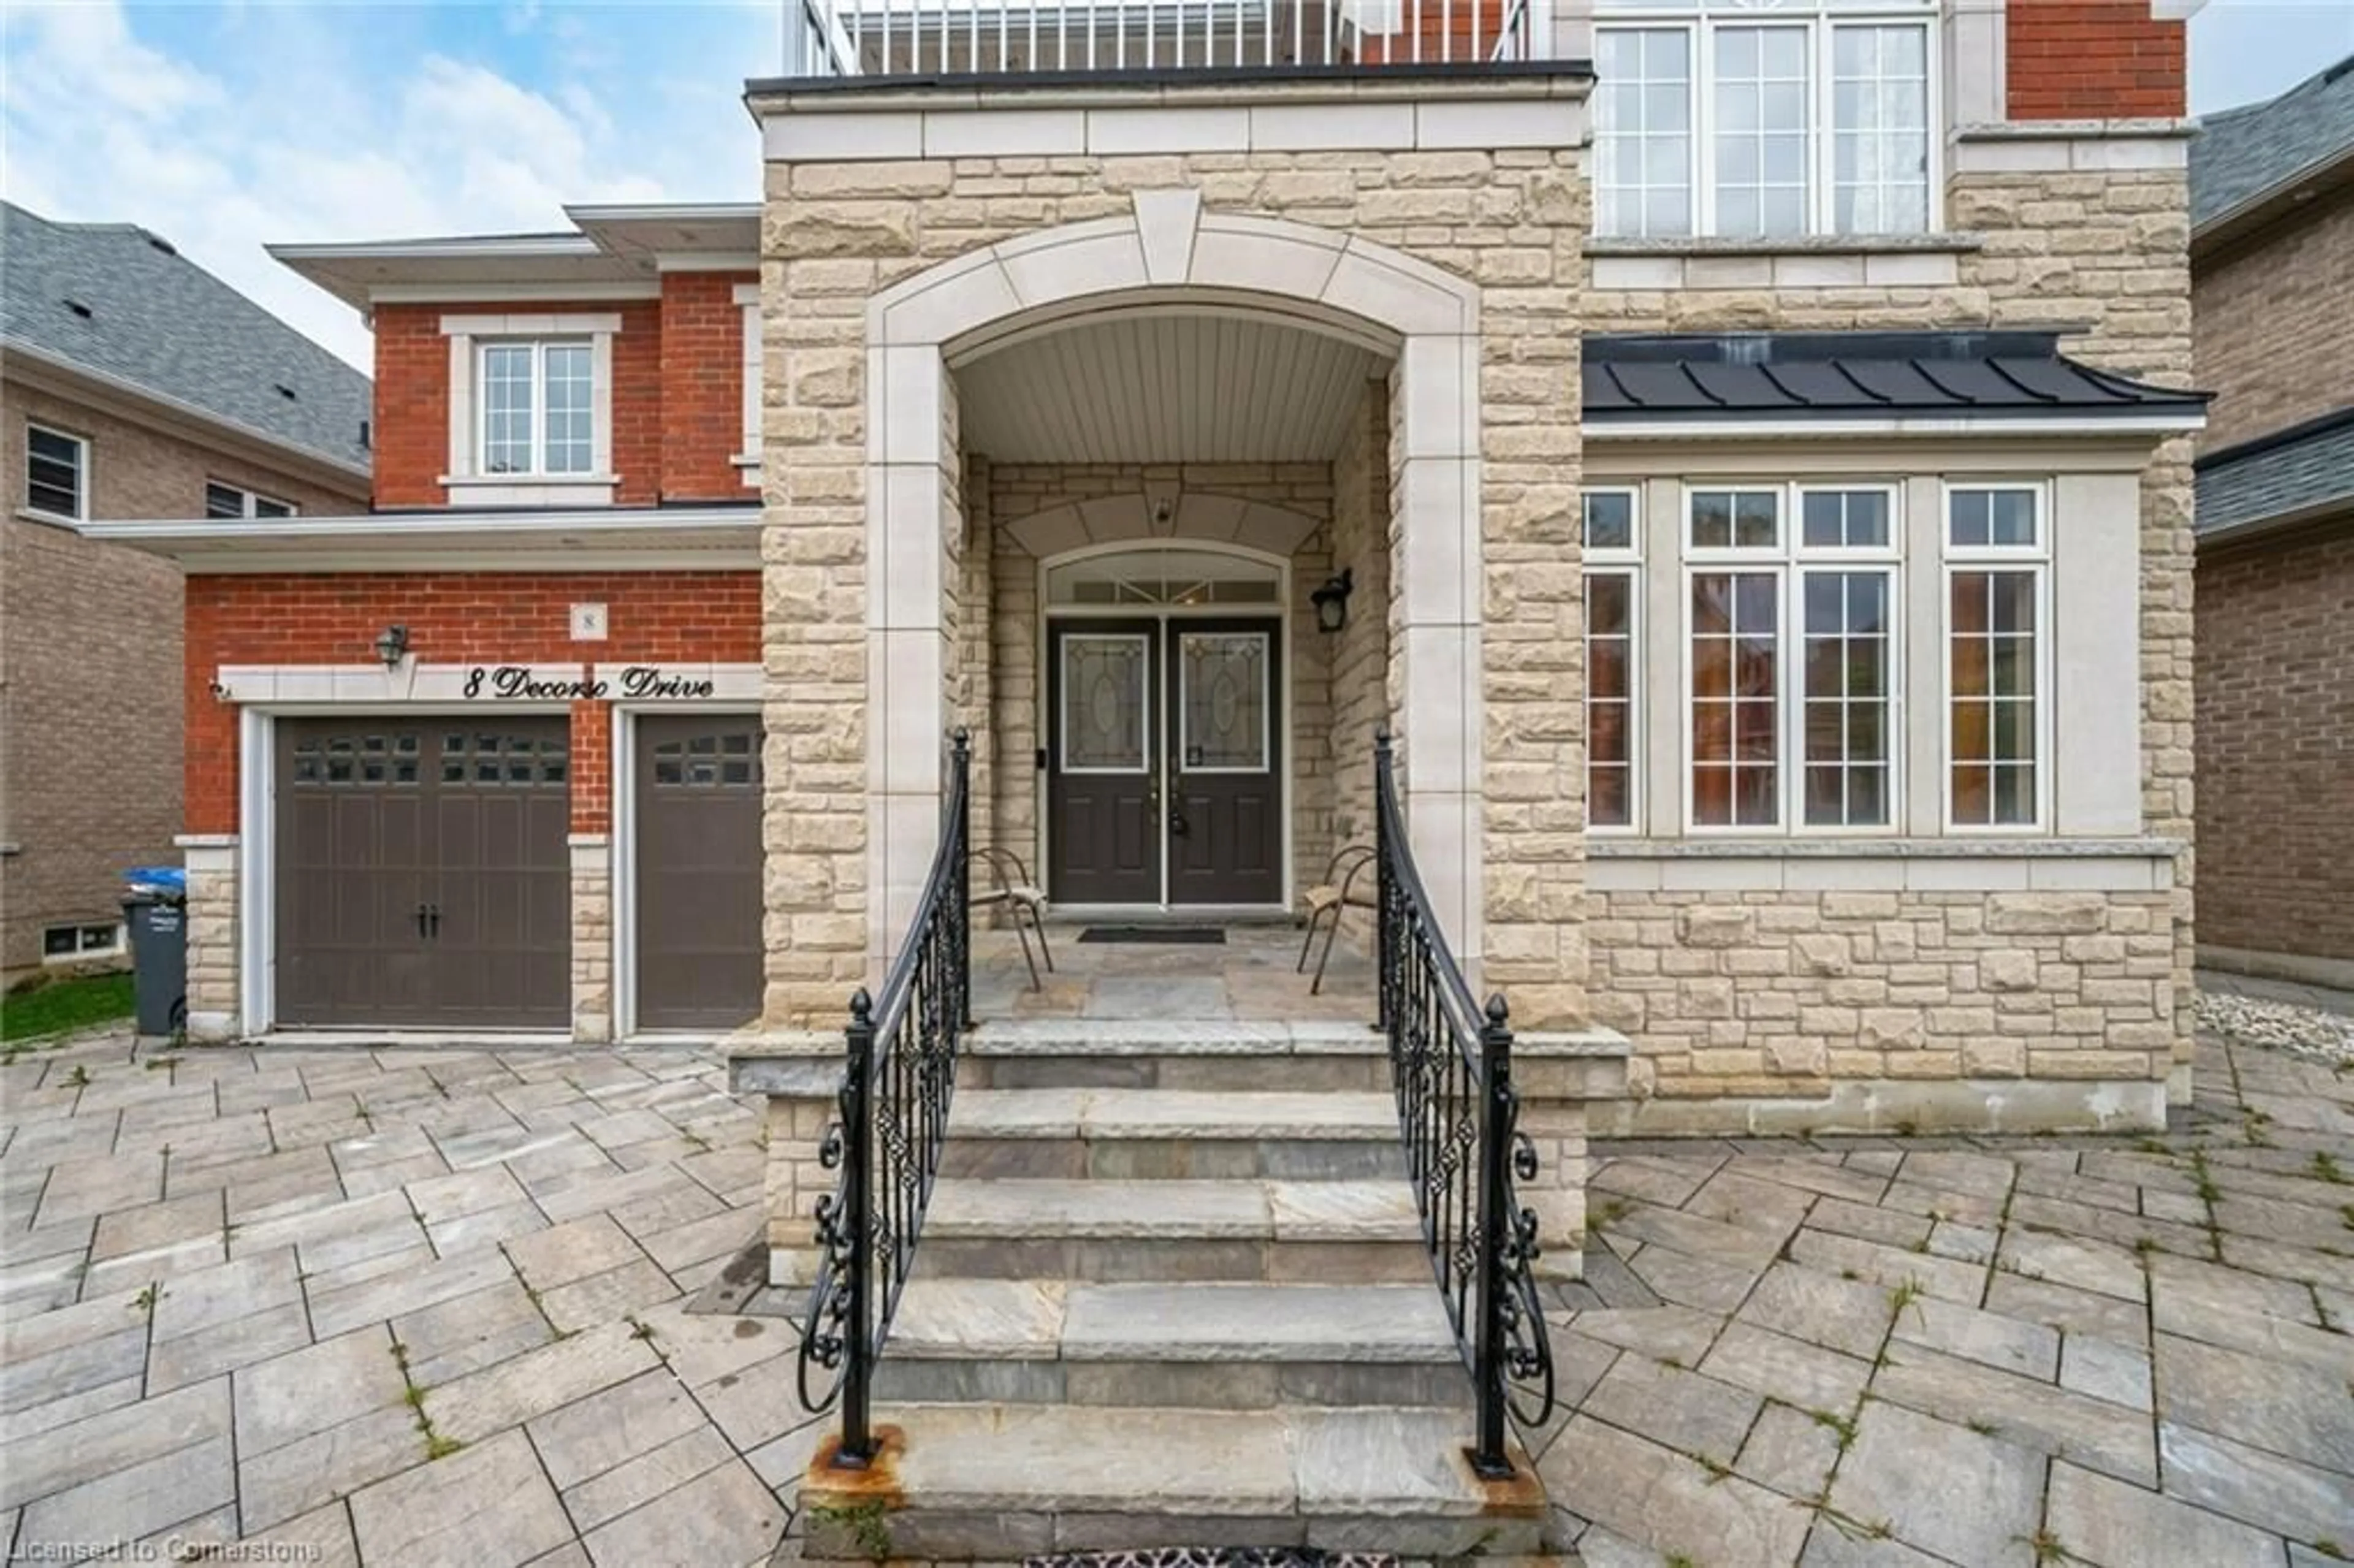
(65, 1005)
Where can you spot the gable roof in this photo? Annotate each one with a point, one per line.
(2243, 154)
(118, 301)
(1859, 375)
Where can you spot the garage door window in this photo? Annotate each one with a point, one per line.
(704, 762)
(348, 760)
(488, 758)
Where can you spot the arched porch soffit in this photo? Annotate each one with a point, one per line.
(1168, 251)
(1231, 524)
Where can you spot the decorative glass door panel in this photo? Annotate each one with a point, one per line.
(1222, 701)
(1103, 764)
(1226, 821)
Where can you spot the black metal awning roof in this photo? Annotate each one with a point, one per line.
(2011, 375)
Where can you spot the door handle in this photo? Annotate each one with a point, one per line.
(433, 914)
(420, 922)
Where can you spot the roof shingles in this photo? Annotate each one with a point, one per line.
(163, 323)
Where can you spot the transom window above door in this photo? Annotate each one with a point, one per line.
(1163, 578)
(1764, 117)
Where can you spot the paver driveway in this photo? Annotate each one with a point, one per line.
(224, 1272)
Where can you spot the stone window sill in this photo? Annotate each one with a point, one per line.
(1883, 865)
(1813, 261)
(1601, 847)
(51, 519)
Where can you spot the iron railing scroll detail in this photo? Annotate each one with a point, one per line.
(894, 1104)
(1451, 1064)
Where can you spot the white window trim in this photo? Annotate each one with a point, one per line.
(84, 476)
(249, 500)
(1815, 17)
(464, 481)
(1627, 562)
(2037, 558)
(1788, 561)
(748, 454)
(116, 946)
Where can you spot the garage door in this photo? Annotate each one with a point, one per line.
(422, 878)
(698, 870)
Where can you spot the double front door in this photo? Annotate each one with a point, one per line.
(1164, 765)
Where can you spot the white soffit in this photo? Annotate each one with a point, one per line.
(1165, 388)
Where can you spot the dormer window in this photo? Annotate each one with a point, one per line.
(1763, 119)
(530, 408)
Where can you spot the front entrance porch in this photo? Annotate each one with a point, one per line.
(1252, 974)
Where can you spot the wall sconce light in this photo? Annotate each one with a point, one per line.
(1331, 601)
(391, 643)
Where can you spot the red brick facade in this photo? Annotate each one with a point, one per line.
(678, 396)
(2094, 60)
(702, 386)
(2275, 727)
(453, 618)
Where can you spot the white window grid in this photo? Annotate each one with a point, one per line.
(1624, 562)
(219, 500)
(82, 471)
(1820, 22)
(2033, 558)
(536, 407)
(1790, 562)
(91, 940)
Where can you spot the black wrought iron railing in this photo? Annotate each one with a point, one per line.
(893, 1119)
(1451, 1064)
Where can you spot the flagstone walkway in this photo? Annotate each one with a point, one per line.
(409, 1307)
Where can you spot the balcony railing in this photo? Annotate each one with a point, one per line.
(894, 38)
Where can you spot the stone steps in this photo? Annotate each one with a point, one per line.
(1224, 1347)
(1157, 1134)
(1229, 1056)
(1105, 1231)
(1004, 1480)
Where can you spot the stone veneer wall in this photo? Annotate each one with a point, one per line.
(1512, 222)
(1990, 985)
(592, 937)
(216, 1005)
(1022, 490)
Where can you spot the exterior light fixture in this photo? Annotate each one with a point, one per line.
(1331, 601)
(391, 643)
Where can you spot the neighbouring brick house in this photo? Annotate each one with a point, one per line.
(1742, 452)
(2272, 256)
(132, 384)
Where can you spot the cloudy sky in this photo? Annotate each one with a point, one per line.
(223, 126)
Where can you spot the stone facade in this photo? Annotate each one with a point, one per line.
(592, 937)
(215, 906)
(1510, 223)
(1767, 996)
(78, 619)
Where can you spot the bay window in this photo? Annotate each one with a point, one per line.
(1763, 118)
(1791, 653)
(1994, 649)
(1613, 612)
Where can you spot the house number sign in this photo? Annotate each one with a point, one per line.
(635, 682)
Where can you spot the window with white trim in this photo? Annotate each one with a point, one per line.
(1791, 656)
(1764, 117)
(1614, 597)
(1995, 651)
(231, 501)
(72, 944)
(537, 400)
(56, 473)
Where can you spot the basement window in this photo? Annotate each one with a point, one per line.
(73, 944)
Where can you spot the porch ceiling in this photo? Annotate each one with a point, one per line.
(1166, 387)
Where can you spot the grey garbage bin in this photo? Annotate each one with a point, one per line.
(159, 961)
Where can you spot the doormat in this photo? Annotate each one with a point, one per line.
(1215, 1557)
(1193, 935)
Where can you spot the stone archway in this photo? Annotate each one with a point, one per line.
(1169, 251)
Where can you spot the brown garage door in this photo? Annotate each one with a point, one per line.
(421, 872)
(698, 870)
